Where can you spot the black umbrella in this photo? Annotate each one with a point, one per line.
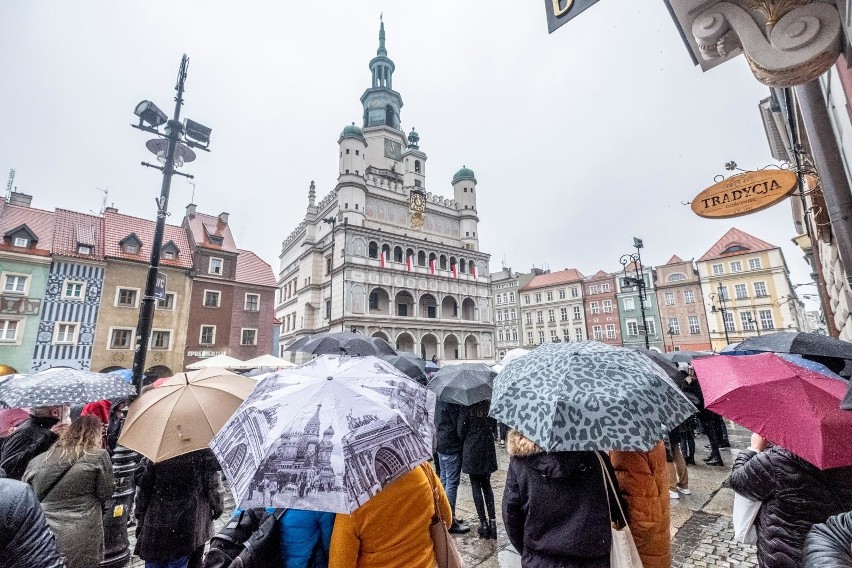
(799, 343)
(465, 384)
(410, 364)
(344, 342)
(659, 359)
(62, 386)
(686, 356)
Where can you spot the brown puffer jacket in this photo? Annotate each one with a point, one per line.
(644, 484)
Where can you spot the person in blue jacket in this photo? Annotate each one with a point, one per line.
(304, 534)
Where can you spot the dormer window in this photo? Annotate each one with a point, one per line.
(169, 251)
(216, 240)
(131, 248)
(215, 266)
(21, 242)
(84, 249)
(21, 236)
(131, 244)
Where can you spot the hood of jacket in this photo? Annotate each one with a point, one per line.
(553, 465)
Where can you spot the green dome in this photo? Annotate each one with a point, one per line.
(464, 173)
(352, 131)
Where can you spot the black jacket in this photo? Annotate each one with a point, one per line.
(25, 539)
(829, 545)
(446, 428)
(476, 429)
(31, 439)
(795, 494)
(694, 394)
(555, 506)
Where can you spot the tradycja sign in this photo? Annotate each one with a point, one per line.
(745, 193)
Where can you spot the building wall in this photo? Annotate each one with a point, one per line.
(505, 299)
(57, 309)
(687, 302)
(567, 325)
(636, 337)
(24, 308)
(602, 324)
(200, 315)
(261, 320)
(121, 274)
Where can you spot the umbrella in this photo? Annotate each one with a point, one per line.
(218, 361)
(661, 361)
(511, 355)
(587, 395)
(432, 367)
(61, 386)
(411, 365)
(343, 342)
(328, 435)
(184, 413)
(800, 343)
(11, 417)
(786, 403)
(686, 356)
(125, 375)
(465, 384)
(265, 361)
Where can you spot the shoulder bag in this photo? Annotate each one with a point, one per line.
(41, 496)
(623, 553)
(446, 553)
(743, 517)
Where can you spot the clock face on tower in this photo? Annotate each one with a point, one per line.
(393, 149)
(417, 201)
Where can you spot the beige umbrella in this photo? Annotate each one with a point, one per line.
(223, 361)
(184, 413)
(265, 361)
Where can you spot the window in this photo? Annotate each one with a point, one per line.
(211, 298)
(729, 321)
(718, 269)
(327, 265)
(563, 314)
(538, 298)
(512, 314)
(676, 277)
(499, 315)
(15, 284)
(747, 320)
(73, 290)
(736, 266)
(248, 337)
(500, 335)
(526, 298)
(577, 312)
(215, 266)
(688, 296)
(120, 338)
(670, 301)
(694, 325)
(723, 292)
(551, 315)
(650, 326)
(161, 339)
(578, 333)
(8, 330)
(594, 307)
(553, 336)
(561, 294)
(529, 338)
(126, 297)
(207, 335)
(21, 242)
(610, 331)
(373, 249)
(754, 264)
(674, 326)
(541, 336)
(252, 303)
(131, 248)
(168, 254)
(84, 249)
(597, 332)
(540, 316)
(511, 296)
(529, 318)
(593, 289)
(575, 292)
(605, 287)
(65, 333)
(760, 289)
(766, 319)
(740, 291)
(629, 304)
(607, 306)
(168, 303)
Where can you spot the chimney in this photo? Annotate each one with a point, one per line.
(223, 218)
(190, 210)
(110, 209)
(20, 199)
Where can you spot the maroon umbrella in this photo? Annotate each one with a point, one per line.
(789, 405)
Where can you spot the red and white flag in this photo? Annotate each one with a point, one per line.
(432, 265)
(475, 272)
(384, 259)
(409, 263)
(455, 269)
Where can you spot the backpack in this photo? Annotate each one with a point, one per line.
(251, 539)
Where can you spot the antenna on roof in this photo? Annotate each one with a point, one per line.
(104, 200)
(504, 261)
(9, 184)
(192, 183)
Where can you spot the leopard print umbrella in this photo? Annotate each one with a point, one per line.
(588, 396)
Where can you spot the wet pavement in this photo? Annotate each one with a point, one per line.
(702, 535)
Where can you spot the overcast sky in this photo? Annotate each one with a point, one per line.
(580, 140)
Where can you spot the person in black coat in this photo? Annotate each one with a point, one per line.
(479, 461)
(795, 494)
(555, 506)
(829, 544)
(449, 457)
(33, 437)
(25, 539)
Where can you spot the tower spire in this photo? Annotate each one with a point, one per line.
(381, 51)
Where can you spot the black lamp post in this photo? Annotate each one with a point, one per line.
(172, 148)
(721, 308)
(671, 336)
(638, 281)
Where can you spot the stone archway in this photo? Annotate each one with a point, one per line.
(381, 335)
(451, 347)
(471, 347)
(468, 310)
(405, 342)
(404, 304)
(387, 464)
(428, 346)
(428, 306)
(379, 302)
(449, 308)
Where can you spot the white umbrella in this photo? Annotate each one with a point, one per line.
(511, 356)
(327, 435)
(223, 361)
(265, 362)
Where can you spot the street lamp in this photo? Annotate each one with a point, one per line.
(671, 336)
(638, 281)
(721, 308)
(172, 150)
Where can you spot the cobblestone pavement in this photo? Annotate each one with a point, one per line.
(702, 535)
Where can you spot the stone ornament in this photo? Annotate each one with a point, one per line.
(801, 40)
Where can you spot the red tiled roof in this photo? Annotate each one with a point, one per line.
(39, 221)
(251, 269)
(600, 274)
(554, 279)
(675, 260)
(735, 237)
(72, 229)
(203, 225)
(118, 226)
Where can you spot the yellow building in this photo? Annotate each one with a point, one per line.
(746, 288)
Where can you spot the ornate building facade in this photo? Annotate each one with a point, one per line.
(383, 255)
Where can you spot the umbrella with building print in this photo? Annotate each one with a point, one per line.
(62, 386)
(326, 436)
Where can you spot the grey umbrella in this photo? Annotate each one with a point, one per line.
(824, 349)
(686, 356)
(62, 386)
(583, 396)
(343, 342)
(661, 361)
(465, 384)
(410, 364)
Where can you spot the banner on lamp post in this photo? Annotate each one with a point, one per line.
(559, 12)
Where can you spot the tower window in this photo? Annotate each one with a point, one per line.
(389, 115)
(346, 206)
(465, 190)
(357, 152)
(356, 207)
(347, 150)
(347, 171)
(416, 166)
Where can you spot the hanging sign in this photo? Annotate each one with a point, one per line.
(745, 193)
(559, 12)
